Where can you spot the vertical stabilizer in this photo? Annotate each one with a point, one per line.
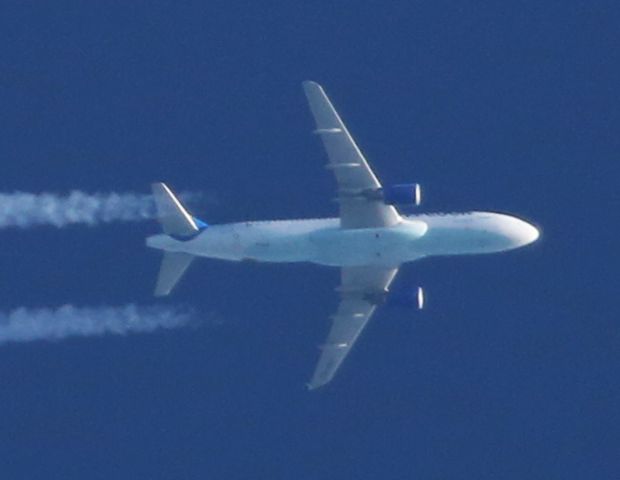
(173, 266)
(174, 219)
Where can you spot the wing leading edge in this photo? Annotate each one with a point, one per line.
(359, 289)
(353, 174)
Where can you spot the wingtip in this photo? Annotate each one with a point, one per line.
(310, 387)
(159, 187)
(316, 384)
(309, 84)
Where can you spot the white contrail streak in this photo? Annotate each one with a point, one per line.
(26, 324)
(22, 210)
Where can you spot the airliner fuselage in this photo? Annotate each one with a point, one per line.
(323, 242)
(369, 240)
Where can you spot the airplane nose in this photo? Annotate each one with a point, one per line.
(514, 231)
(524, 233)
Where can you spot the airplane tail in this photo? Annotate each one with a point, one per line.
(173, 266)
(174, 218)
(179, 224)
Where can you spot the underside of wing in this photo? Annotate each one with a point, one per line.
(360, 290)
(356, 180)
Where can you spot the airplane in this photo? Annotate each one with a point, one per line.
(368, 241)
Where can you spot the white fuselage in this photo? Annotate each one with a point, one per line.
(323, 242)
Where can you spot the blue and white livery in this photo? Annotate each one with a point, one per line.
(368, 241)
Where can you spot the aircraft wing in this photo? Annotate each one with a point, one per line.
(359, 287)
(353, 174)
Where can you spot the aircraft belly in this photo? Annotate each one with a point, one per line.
(218, 241)
(384, 247)
(279, 241)
(316, 242)
(279, 249)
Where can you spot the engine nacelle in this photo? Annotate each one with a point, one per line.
(403, 194)
(413, 298)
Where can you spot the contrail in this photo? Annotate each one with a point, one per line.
(23, 210)
(26, 324)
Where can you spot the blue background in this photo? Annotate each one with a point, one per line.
(512, 372)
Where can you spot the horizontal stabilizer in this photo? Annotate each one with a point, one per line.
(171, 214)
(173, 266)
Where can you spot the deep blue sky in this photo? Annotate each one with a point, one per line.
(512, 372)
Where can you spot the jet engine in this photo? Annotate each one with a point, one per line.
(403, 194)
(413, 298)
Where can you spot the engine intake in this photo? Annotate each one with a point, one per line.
(403, 194)
(413, 298)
